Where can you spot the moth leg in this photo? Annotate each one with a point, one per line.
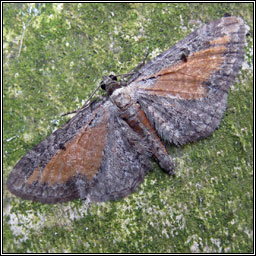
(139, 122)
(135, 117)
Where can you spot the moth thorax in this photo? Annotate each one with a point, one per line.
(122, 99)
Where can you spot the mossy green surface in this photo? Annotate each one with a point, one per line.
(65, 50)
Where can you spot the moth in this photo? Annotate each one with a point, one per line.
(105, 150)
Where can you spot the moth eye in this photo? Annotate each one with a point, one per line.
(103, 86)
(113, 77)
(107, 81)
(103, 83)
(227, 14)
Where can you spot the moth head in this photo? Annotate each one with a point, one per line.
(110, 84)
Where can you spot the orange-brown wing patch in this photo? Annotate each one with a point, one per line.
(82, 155)
(34, 176)
(220, 40)
(187, 79)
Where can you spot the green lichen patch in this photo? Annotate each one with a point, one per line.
(66, 48)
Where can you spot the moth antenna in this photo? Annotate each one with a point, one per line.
(86, 104)
(142, 63)
(126, 74)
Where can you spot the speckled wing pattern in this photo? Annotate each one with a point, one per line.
(184, 90)
(104, 151)
(94, 156)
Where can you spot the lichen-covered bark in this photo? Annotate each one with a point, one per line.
(65, 50)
